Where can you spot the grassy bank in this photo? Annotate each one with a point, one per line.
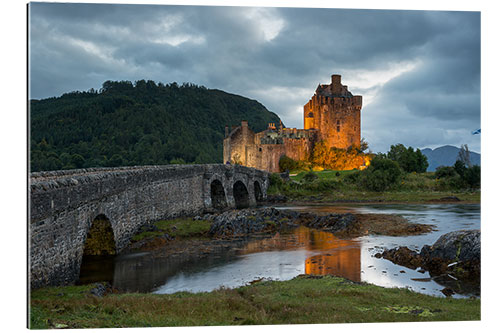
(184, 227)
(302, 300)
(341, 186)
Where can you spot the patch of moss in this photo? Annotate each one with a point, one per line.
(183, 227)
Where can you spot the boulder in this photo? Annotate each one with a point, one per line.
(457, 252)
(461, 245)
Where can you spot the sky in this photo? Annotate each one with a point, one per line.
(418, 71)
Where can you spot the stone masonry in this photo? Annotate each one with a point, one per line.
(63, 205)
(332, 115)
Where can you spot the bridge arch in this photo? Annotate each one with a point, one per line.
(218, 194)
(98, 252)
(240, 193)
(100, 238)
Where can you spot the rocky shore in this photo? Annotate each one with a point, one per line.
(456, 255)
(238, 226)
(345, 225)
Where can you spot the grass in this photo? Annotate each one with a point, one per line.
(178, 228)
(303, 300)
(334, 185)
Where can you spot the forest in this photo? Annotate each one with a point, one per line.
(140, 123)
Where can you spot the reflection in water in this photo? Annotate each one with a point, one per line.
(286, 255)
(96, 268)
(337, 256)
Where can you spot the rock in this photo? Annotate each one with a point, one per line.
(148, 228)
(335, 223)
(285, 175)
(447, 292)
(462, 245)
(276, 198)
(100, 289)
(403, 256)
(447, 199)
(247, 221)
(457, 252)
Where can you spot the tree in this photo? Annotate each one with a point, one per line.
(464, 155)
(144, 123)
(115, 160)
(422, 163)
(363, 146)
(460, 167)
(321, 155)
(408, 159)
(77, 160)
(472, 176)
(287, 163)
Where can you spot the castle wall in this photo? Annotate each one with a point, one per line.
(298, 149)
(265, 157)
(235, 144)
(333, 114)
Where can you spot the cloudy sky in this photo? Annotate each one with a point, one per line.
(418, 71)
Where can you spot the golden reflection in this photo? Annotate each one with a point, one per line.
(340, 257)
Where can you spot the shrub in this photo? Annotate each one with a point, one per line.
(381, 175)
(451, 183)
(352, 178)
(445, 172)
(275, 180)
(323, 185)
(337, 159)
(310, 177)
(459, 176)
(287, 163)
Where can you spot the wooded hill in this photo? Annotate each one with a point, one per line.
(139, 123)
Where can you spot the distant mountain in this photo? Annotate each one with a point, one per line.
(446, 156)
(139, 123)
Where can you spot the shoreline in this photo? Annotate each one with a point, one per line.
(313, 202)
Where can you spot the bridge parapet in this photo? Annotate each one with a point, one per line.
(64, 204)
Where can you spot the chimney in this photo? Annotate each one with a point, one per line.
(335, 79)
(226, 131)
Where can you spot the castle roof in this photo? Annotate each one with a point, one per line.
(327, 91)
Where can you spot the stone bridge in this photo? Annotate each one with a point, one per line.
(65, 207)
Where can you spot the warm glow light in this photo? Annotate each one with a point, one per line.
(340, 257)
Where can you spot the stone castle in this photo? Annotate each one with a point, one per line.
(332, 115)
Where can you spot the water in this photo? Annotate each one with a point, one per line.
(303, 251)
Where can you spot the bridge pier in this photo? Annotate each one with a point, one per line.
(64, 204)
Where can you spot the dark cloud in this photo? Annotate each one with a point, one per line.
(418, 70)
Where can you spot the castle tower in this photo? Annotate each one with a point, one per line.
(335, 113)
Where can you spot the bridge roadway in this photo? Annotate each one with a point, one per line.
(64, 205)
